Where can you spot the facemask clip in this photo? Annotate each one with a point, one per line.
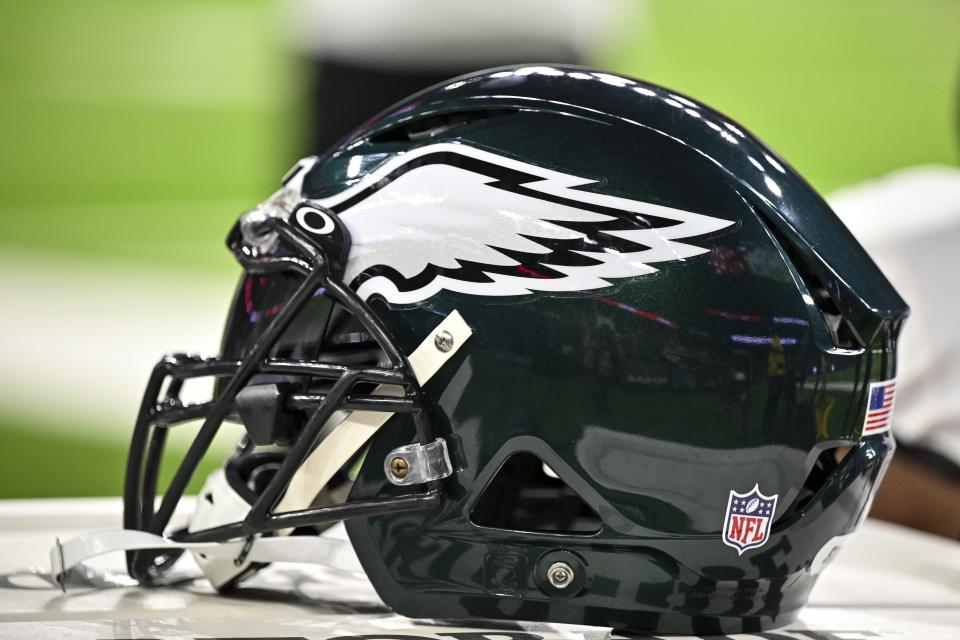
(417, 464)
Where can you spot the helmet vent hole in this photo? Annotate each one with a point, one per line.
(433, 126)
(527, 495)
(842, 333)
(821, 473)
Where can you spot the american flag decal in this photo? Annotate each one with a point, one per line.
(879, 407)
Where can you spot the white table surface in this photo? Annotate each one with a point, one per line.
(887, 582)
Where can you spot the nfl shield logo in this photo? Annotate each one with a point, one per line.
(747, 523)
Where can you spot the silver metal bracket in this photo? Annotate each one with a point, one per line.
(418, 463)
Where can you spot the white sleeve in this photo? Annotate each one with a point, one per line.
(909, 222)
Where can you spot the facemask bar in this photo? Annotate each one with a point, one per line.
(156, 416)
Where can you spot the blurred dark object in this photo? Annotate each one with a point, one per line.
(368, 54)
(921, 490)
(343, 95)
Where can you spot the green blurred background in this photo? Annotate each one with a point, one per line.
(133, 133)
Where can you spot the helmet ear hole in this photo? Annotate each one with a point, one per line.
(822, 472)
(527, 495)
(841, 453)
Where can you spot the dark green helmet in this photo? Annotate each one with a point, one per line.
(557, 345)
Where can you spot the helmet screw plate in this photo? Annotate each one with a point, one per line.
(399, 467)
(560, 575)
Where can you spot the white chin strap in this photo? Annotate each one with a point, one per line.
(330, 552)
(222, 561)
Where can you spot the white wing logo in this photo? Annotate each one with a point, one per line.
(452, 217)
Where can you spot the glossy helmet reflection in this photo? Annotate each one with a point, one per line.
(556, 345)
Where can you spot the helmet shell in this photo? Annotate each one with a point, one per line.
(653, 398)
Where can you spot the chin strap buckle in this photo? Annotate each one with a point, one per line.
(58, 570)
(418, 463)
(244, 552)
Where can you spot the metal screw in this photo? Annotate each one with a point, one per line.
(399, 467)
(560, 575)
(443, 340)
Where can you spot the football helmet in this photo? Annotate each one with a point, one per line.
(554, 344)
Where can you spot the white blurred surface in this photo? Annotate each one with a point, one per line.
(92, 332)
(887, 582)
